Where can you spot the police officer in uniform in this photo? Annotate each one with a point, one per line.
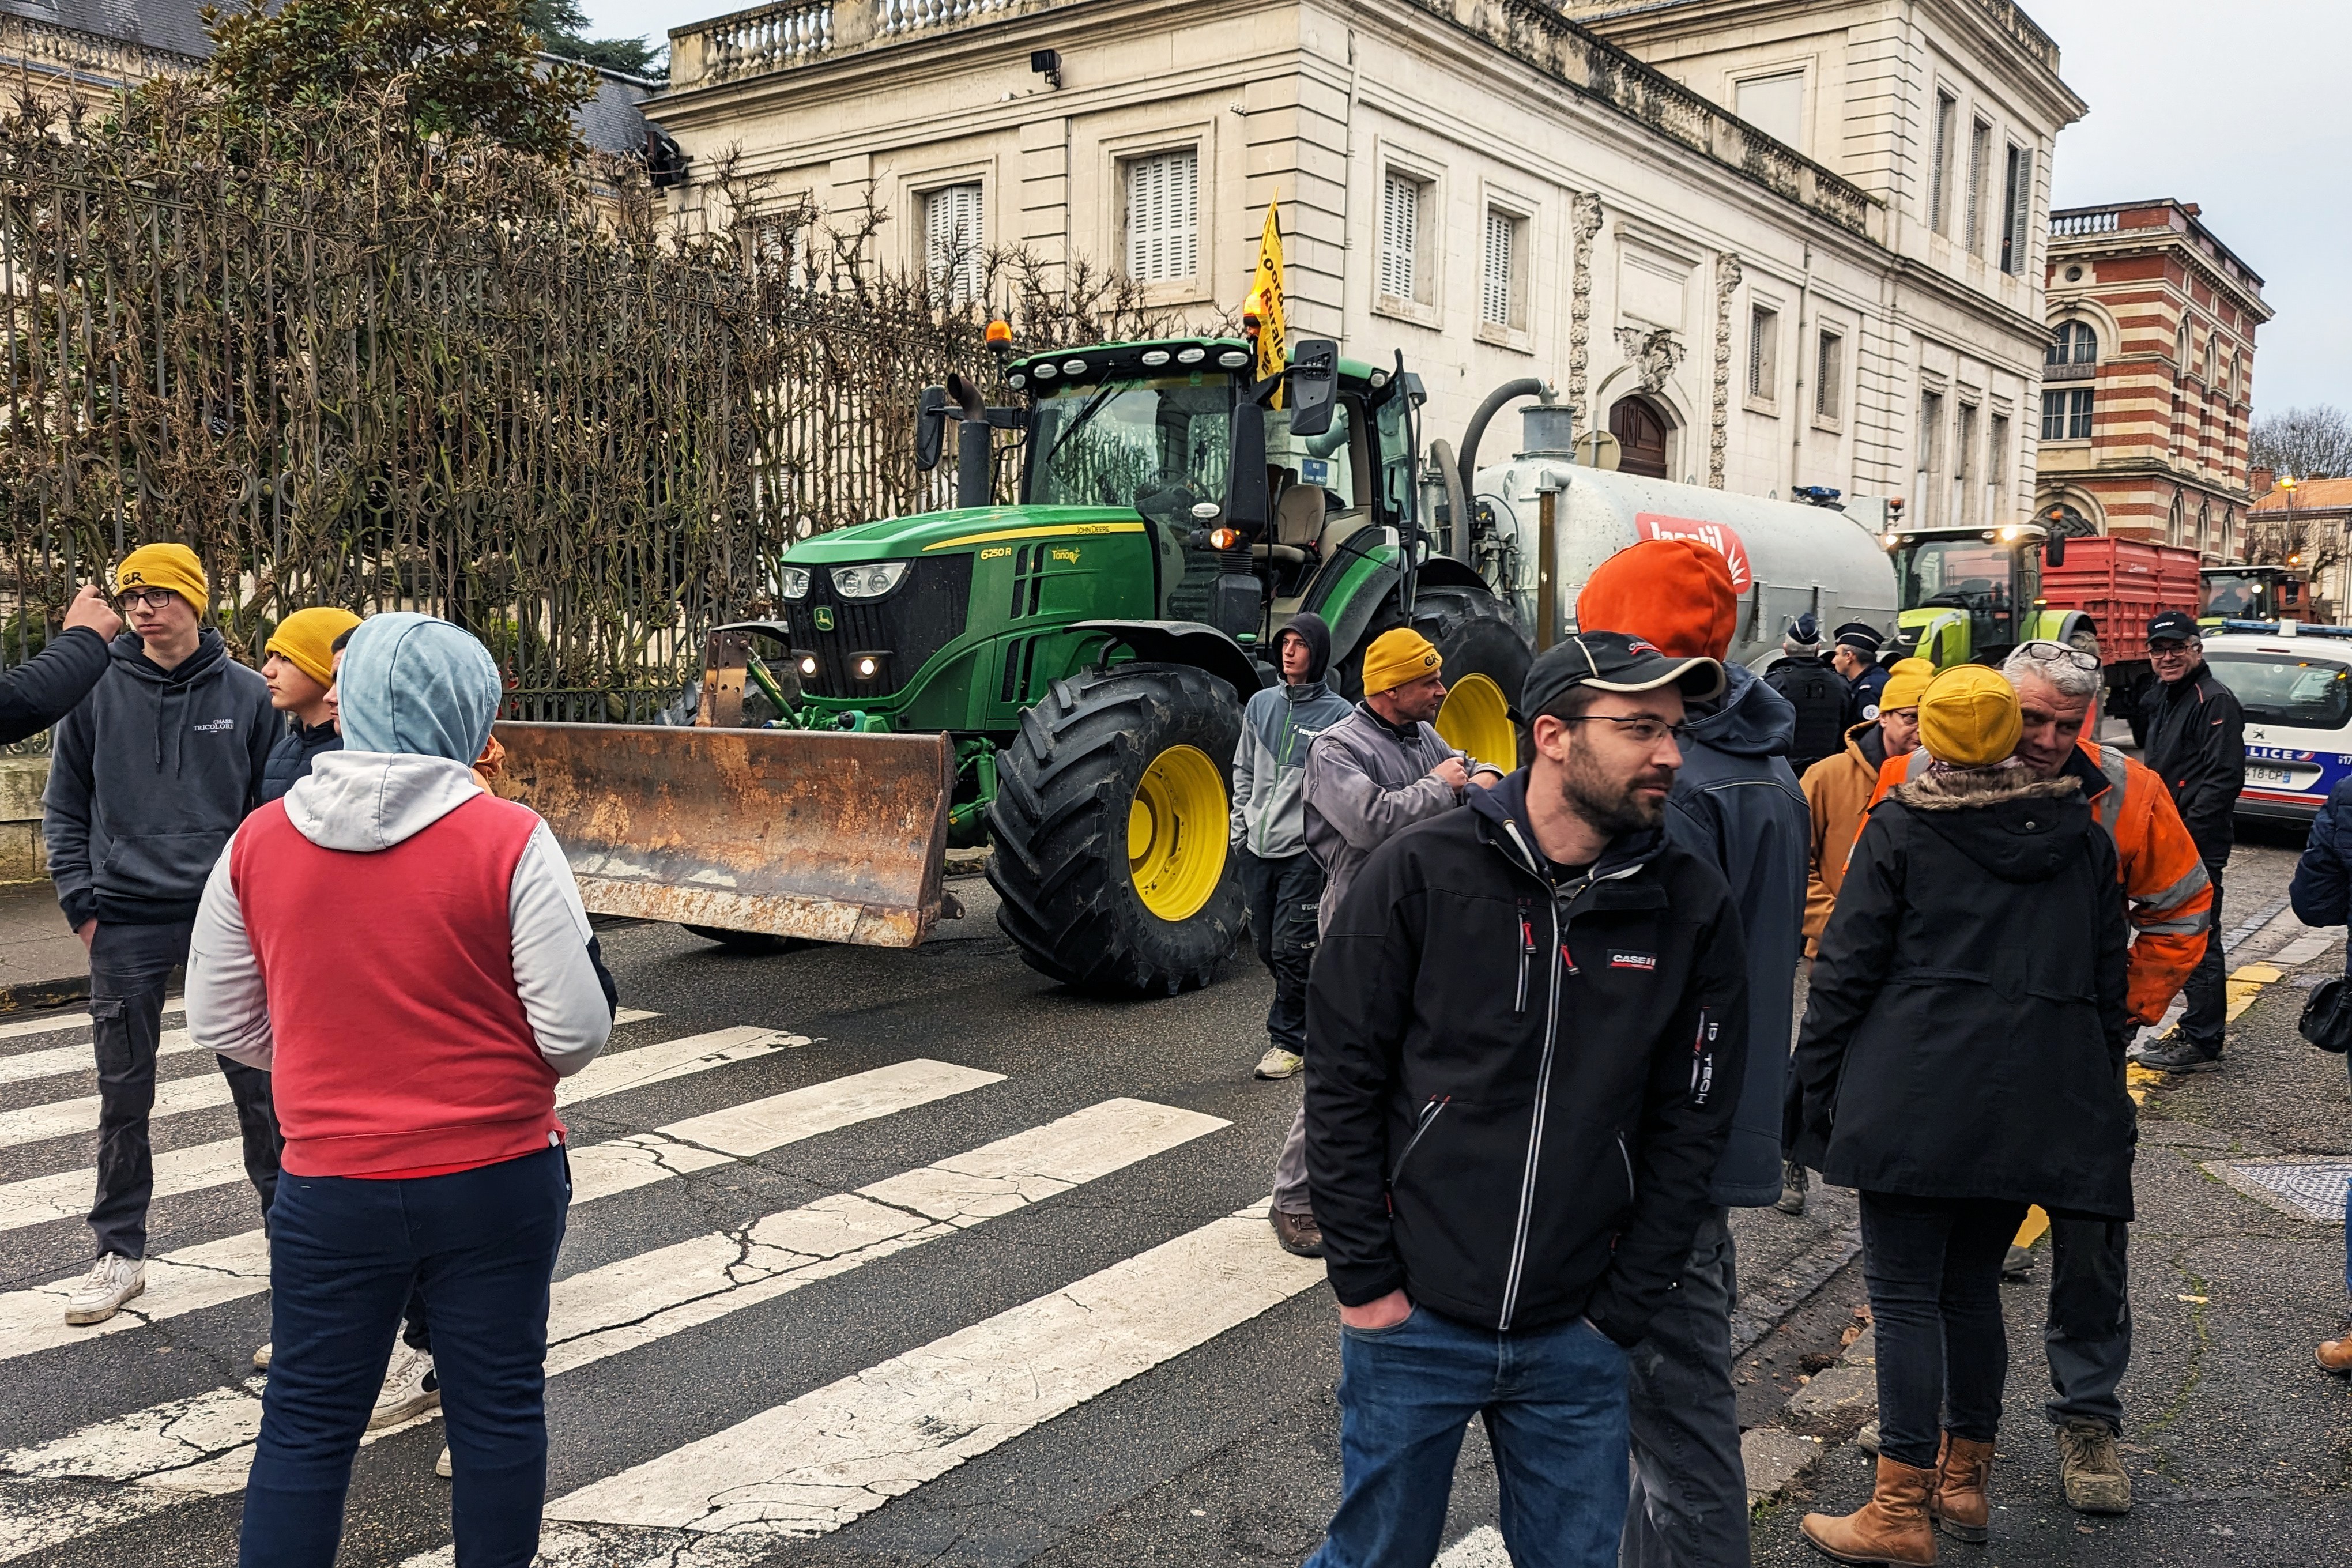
(1817, 693)
(1856, 658)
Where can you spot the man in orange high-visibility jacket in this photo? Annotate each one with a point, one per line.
(2168, 899)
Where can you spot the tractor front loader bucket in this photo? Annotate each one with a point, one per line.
(827, 835)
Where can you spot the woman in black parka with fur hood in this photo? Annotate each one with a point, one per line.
(1961, 1056)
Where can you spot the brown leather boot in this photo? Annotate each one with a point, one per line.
(1963, 1467)
(2335, 1354)
(1890, 1528)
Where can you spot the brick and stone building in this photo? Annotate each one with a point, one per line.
(2306, 524)
(1833, 211)
(2149, 384)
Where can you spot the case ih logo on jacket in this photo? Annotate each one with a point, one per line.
(1643, 960)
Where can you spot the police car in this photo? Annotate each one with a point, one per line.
(2295, 685)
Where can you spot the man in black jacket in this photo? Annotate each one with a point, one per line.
(2197, 745)
(46, 690)
(1530, 1026)
(150, 776)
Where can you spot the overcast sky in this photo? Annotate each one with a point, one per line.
(2232, 107)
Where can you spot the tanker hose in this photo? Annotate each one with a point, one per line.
(1472, 433)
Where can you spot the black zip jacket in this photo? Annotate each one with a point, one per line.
(2197, 745)
(44, 691)
(1519, 1093)
(297, 747)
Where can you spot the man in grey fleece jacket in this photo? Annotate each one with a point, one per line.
(1376, 772)
(147, 778)
(1284, 882)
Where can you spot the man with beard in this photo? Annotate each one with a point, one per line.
(1370, 776)
(1736, 806)
(1530, 1025)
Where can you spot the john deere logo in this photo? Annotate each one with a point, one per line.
(824, 618)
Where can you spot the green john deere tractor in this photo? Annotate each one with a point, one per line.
(1062, 678)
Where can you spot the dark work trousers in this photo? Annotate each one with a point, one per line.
(1688, 1506)
(2207, 991)
(1283, 894)
(1934, 1269)
(481, 1246)
(2088, 1333)
(129, 966)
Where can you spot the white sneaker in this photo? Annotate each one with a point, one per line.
(441, 1465)
(404, 1394)
(1278, 1063)
(111, 1280)
(261, 1358)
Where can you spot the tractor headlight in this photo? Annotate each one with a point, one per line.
(868, 582)
(793, 582)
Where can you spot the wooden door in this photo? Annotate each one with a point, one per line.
(1639, 429)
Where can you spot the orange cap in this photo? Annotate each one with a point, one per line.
(1676, 593)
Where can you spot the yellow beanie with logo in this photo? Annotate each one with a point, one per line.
(1968, 718)
(1397, 657)
(173, 566)
(1906, 682)
(306, 639)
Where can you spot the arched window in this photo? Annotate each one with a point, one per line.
(2205, 526)
(2213, 358)
(2064, 522)
(1641, 429)
(2172, 524)
(2181, 350)
(2074, 343)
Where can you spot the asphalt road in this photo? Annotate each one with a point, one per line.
(1062, 1349)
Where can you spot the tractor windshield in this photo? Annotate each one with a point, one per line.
(1975, 576)
(1158, 445)
(2243, 595)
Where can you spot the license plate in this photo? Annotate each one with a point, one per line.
(2257, 774)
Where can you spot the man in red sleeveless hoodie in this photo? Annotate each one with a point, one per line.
(408, 957)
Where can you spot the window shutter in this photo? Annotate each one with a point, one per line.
(1939, 170)
(953, 237)
(1494, 295)
(1755, 323)
(1163, 232)
(2016, 242)
(1399, 215)
(1979, 143)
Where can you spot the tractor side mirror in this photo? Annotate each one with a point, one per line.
(1248, 507)
(2054, 552)
(931, 426)
(1314, 385)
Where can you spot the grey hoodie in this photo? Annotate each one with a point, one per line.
(1367, 781)
(1270, 762)
(1736, 804)
(148, 777)
(362, 801)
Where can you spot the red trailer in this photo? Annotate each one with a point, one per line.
(2119, 583)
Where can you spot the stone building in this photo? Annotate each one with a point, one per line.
(2304, 524)
(2149, 383)
(1768, 244)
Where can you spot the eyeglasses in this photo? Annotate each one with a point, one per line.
(2044, 651)
(2171, 649)
(1641, 731)
(147, 598)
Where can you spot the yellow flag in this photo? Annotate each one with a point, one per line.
(1264, 302)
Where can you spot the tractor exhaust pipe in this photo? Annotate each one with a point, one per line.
(975, 451)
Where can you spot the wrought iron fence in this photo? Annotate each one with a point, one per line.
(349, 369)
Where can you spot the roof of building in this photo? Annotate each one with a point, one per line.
(612, 122)
(171, 24)
(2080, 226)
(2310, 495)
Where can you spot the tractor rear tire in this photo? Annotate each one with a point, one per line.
(1111, 824)
(1487, 657)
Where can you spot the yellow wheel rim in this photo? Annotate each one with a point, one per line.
(1176, 831)
(1477, 719)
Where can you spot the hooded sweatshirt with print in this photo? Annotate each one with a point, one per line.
(148, 777)
(427, 1037)
(1270, 762)
(1737, 805)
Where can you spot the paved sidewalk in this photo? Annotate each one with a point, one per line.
(41, 963)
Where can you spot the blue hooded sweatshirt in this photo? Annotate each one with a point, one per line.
(1736, 804)
(417, 685)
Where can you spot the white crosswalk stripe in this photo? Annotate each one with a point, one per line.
(203, 1445)
(52, 1023)
(54, 1061)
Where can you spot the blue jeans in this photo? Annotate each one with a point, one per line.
(480, 1245)
(1554, 1404)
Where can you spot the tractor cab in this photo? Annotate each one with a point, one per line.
(2252, 594)
(1967, 594)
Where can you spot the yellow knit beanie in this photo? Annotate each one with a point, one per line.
(173, 566)
(307, 639)
(1397, 657)
(1906, 682)
(1969, 717)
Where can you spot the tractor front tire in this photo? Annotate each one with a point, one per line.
(1111, 824)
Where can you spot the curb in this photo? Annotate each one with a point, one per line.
(31, 996)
